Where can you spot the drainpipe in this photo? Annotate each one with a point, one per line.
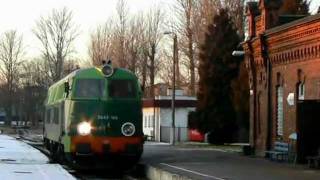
(254, 85)
(154, 115)
(253, 73)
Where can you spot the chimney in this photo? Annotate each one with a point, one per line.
(269, 13)
(252, 11)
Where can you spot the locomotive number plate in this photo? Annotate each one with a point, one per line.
(107, 117)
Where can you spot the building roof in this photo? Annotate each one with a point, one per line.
(293, 24)
(283, 19)
(166, 103)
(177, 97)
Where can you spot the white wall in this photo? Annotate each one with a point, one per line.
(163, 122)
(181, 124)
(151, 129)
(181, 116)
(148, 121)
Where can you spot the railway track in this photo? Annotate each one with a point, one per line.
(134, 174)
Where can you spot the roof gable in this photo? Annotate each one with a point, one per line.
(267, 4)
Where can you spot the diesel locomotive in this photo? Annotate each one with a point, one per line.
(94, 115)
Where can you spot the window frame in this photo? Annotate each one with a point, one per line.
(103, 89)
(134, 93)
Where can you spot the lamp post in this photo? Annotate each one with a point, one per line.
(175, 49)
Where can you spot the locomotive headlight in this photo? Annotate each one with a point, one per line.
(107, 70)
(84, 128)
(128, 129)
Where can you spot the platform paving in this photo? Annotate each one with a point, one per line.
(167, 162)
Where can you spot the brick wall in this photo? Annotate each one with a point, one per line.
(293, 52)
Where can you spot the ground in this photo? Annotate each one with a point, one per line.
(20, 161)
(215, 163)
(192, 160)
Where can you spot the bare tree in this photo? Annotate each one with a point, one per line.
(165, 72)
(101, 42)
(236, 9)
(11, 54)
(135, 42)
(130, 42)
(143, 56)
(193, 18)
(122, 13)
(56, 33)
(153, 35)
(70, 65)
(107, 41)
(186, 11)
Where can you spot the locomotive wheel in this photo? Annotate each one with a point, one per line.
(53, 151)
(126, 163)
(46, 143)
(59, 154)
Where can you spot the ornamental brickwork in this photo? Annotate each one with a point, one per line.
(281, 51)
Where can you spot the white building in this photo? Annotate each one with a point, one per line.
(157, 116)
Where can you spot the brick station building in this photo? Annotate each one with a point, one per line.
(282, 53)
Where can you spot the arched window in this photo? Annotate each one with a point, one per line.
(300, 85)
(301, 91)
(280, 115)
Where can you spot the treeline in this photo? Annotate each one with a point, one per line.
(137, 42)
(24, 82)
(133, 41)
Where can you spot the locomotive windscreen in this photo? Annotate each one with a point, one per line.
(89, 88)
(121, 89)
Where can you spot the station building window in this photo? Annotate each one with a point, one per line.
(301, 91)
(280, 115)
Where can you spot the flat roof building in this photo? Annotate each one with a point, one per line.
(157, 116)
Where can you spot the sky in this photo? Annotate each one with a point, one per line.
(314, 6)
(23, 14)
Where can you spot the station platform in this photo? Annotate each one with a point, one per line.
(163, 161)
(20, 161)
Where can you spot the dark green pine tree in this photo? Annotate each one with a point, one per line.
(298, 7)
(217, 69)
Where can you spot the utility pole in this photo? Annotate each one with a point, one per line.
(175, 53)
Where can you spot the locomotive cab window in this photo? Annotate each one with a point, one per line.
(89, 88)
(121, 89)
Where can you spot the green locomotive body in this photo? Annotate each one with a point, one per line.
(95, 112)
